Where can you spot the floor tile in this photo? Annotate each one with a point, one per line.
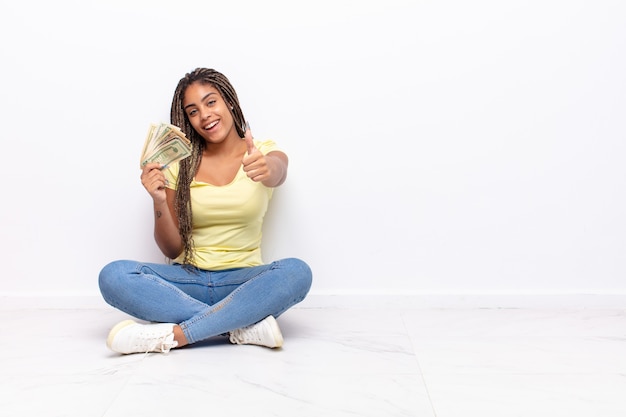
(337, 362)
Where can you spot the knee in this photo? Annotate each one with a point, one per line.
(110, 278)
(106, 278)
(300, 272)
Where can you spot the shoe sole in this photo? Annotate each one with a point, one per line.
(115, 330)
(278, 336)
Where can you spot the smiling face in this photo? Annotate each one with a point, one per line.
(209, 114)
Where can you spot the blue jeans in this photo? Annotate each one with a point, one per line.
(204, 303)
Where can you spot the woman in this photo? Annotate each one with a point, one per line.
(208, 216)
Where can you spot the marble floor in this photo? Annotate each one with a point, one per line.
(342, 362)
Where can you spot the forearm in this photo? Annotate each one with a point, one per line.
(166, 232)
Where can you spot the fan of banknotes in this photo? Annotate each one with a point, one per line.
(165, 144)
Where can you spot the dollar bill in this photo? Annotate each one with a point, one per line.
(166, 144)
(173, 152)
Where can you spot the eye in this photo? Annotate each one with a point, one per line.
(192, 113)
(211, 102)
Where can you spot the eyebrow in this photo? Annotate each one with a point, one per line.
(203, 98)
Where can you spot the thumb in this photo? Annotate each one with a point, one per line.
(249, 139)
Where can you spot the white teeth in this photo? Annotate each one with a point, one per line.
(210, 125)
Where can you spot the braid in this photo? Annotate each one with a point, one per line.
(189, 166)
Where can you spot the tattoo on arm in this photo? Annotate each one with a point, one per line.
(158, 214)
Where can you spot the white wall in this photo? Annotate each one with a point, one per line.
(436, 147)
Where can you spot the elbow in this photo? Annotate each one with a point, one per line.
(169, 250)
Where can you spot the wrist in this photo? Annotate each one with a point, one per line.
(160, 207)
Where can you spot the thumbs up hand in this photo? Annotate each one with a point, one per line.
(254, 162)
(249, 140)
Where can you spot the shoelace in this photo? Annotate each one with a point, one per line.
(162, 344)
(247, 334)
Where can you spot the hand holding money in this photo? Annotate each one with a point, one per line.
(165, 144)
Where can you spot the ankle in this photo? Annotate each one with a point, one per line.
(179, 336)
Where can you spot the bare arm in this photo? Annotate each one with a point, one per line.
(270, 169)
(277, 163)
(166, 232)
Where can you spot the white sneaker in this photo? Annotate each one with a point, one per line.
(132, 337)
(264, 333)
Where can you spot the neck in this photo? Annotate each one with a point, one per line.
(232, 146)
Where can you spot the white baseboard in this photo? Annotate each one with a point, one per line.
(51, 300)
(465, 301)
(356, 300)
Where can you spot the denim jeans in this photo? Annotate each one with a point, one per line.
(204, 303)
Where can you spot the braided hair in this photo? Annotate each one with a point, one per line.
(189, 166)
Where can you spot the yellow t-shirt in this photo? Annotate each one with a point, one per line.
(227, 220)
